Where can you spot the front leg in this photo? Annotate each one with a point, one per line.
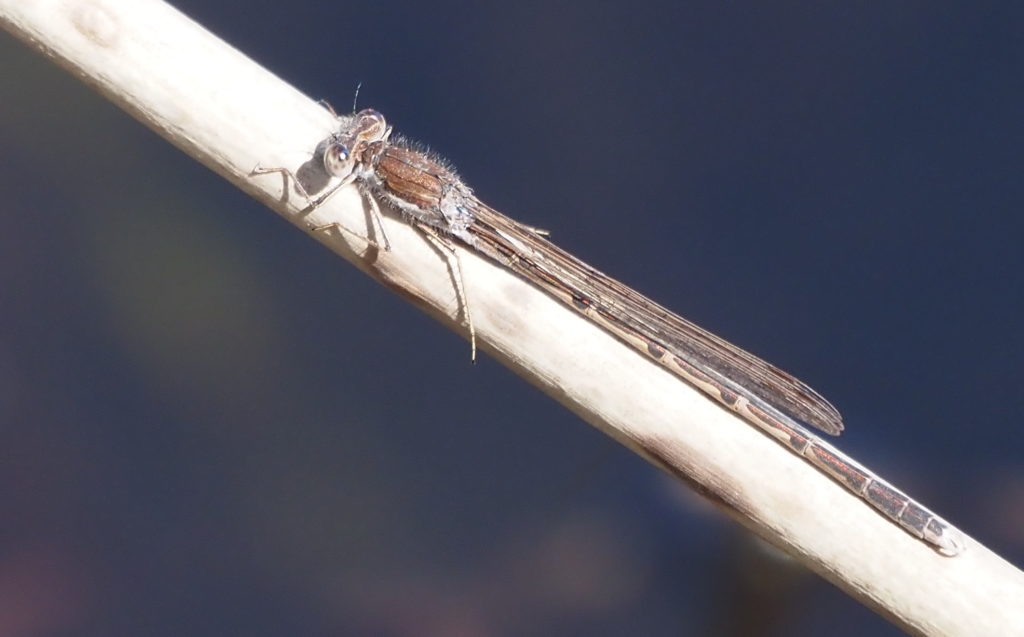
(289, 176)
(375, 218)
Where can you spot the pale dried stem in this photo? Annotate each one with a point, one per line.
(232, 115)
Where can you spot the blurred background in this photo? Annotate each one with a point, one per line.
(186, 449)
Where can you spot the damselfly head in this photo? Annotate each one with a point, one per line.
(346, 148)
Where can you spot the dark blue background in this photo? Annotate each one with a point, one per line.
(188, 450)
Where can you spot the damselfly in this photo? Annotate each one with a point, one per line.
(426, 190)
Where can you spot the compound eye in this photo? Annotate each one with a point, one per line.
(370, 116)
(371, 125)
(337, 160)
